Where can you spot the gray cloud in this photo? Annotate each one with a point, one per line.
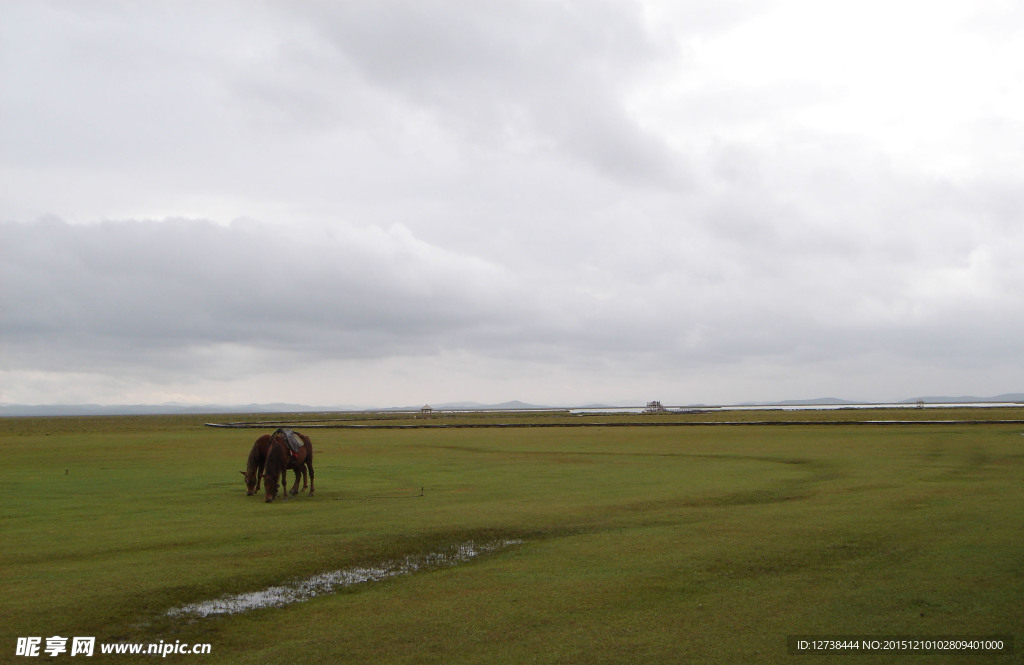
(561, 201)
(547, 75)
(135, 290)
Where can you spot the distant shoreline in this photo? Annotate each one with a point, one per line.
(71, 410)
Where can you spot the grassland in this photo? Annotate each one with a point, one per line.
(640, 544)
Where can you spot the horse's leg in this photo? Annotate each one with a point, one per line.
(309, 463)
(302, 468)
(295, 485)
(259, 476)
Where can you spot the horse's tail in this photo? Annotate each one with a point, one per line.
(309, 447)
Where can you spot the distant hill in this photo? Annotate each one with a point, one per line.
(823, 401)
(818, 401)
(1007, 397)
(834, 401)
(12, 410)
(509, 406)
(44, 410)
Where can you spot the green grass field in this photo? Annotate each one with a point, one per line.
(702, 544)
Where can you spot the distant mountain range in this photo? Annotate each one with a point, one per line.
(455, 406)
(11, 410)
(1008, 397)
(820, 401)
(148, 409)
(834, 401)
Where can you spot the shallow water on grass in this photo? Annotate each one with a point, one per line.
(329, 582)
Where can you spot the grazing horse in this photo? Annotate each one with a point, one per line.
(280, 458)
(253, 473)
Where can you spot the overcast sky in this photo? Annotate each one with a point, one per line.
(400, 202)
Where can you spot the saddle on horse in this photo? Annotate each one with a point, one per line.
(293, 440)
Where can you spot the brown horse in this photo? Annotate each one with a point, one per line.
(280, 458)
(253, 473)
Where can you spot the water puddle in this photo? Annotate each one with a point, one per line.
(329, 582)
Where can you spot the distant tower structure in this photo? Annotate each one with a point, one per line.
(920, 403)
(426, 411)
(655, 407)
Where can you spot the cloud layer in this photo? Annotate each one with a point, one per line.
(350, 203)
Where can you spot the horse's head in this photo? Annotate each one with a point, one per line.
(250, 482)
(269, 488)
